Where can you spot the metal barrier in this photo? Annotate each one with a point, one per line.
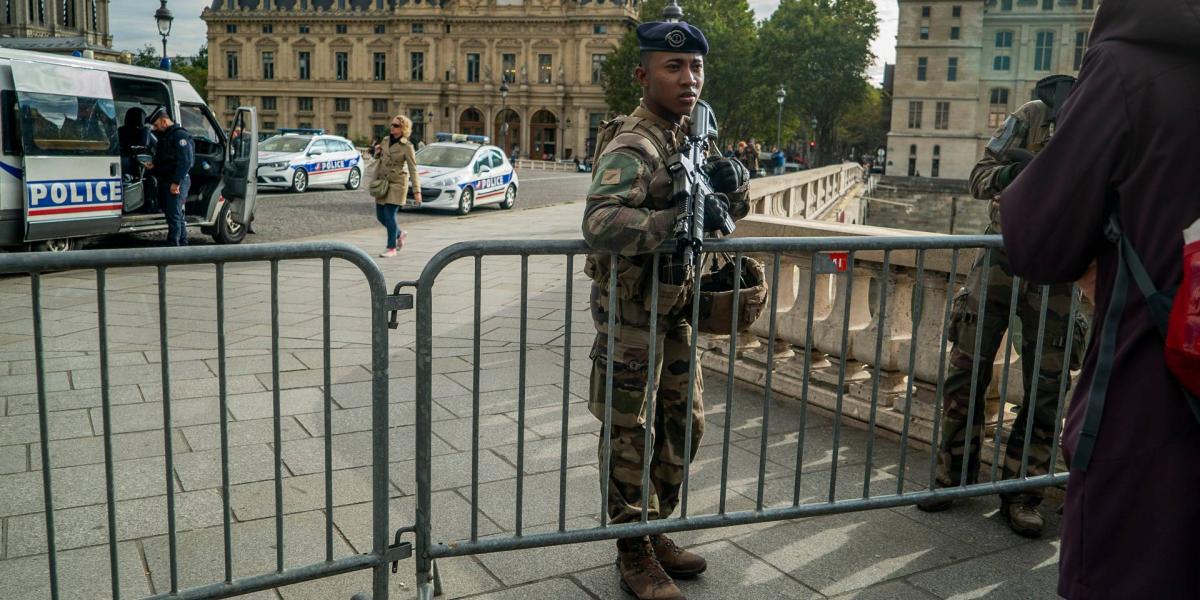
(828, 255)
(911, 252)
(102, 261)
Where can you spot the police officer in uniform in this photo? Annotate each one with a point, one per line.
(173, 157)
(1011, 148)
(629, 212)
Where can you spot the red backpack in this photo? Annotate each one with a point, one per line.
(1176, 315)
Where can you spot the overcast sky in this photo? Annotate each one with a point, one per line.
(133, 27)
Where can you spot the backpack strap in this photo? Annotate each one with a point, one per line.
(1129, 266)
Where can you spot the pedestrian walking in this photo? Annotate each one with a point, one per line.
(1122, 166)
(750, 157)
(397, 165)
(173, 158)
(628, 215)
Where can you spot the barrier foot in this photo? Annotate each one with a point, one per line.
(437, 581)
(425, 591)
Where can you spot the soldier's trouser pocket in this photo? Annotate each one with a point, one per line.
(630, 275)
(629, 373)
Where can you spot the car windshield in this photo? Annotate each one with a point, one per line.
(445, 156)
(284, 144)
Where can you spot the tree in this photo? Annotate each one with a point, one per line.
(862, 127)
(729, 27)
(195, 69)
(819, 50)
(147, 56)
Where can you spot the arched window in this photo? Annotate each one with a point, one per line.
(543, 132)
(471, 122)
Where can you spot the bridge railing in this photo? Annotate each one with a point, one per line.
(805, 195)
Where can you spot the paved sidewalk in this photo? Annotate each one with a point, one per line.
(890, 553)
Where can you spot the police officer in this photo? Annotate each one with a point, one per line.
(173, 157)
(629, 212)
(1011, 148)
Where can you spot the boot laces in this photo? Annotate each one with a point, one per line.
(651, 566)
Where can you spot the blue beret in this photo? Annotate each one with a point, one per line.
(659, 36)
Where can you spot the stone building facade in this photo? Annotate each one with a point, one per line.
(963, 67)
(347, 66)
(61, 26)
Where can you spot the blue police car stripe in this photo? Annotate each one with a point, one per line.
(11, 170)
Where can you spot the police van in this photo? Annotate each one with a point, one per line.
(73, 141)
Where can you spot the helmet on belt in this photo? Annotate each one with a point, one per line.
(716, 297)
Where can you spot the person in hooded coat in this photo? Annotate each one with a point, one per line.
(1128, 140)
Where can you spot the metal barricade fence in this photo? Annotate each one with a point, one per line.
(743, 485)
(382, 551)
(889, 253)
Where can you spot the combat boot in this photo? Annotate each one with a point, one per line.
(1023, 519)
(641, 574)
(676, 561)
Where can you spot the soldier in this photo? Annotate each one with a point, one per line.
(173, 157)
(1011, 148)
(629, 212)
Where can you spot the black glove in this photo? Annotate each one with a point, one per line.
(716, 211)
(1018, 159)
(727, 175)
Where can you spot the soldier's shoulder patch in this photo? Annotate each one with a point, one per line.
(615, 173)
(610, 177)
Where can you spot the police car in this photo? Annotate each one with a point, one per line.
(298, 159)
(460, 172)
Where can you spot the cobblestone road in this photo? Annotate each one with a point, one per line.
(283, 216)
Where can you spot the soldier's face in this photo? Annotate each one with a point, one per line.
(671, 82)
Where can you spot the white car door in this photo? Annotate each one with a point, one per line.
(318, 162)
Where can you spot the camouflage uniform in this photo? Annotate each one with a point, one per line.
(629, 212)
(1032, 131)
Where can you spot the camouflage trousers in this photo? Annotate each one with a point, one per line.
(1041, 393)
(668, 424)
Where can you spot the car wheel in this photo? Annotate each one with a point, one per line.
(467, 201)
(228, 231)
(510, 197)
(354, 180)
(300, 181)
(56, 245)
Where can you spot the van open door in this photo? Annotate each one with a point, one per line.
(241, 168)
(68, 127)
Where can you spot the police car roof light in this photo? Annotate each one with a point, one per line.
(443, 136)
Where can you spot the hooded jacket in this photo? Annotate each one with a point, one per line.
(1128, 140)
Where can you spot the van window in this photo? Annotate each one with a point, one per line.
(8, 123)
(191, 118)
(53, 124)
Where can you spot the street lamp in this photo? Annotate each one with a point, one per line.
(503, 111)
(164, 18)
(779, 96)
(812, 143)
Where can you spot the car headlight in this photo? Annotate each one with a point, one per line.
(451, 181)
(275, 165)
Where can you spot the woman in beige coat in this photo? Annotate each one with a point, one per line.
(398, 164)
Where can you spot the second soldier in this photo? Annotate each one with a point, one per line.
(630, 213)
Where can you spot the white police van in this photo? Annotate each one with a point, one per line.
(72, 138)
(301, 158)
(460, 172)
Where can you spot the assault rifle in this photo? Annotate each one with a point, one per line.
(691, 186)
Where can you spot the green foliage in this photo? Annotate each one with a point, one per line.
(147, 56)
(818, 50)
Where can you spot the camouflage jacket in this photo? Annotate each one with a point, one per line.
(1030, 130)
(629, 210)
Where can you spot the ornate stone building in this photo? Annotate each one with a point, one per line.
(347, 66)
(61, 26)
(963, 67)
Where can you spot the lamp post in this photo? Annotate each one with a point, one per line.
(164, 18)
(504, 145)
(812, 143)
(779, 96)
